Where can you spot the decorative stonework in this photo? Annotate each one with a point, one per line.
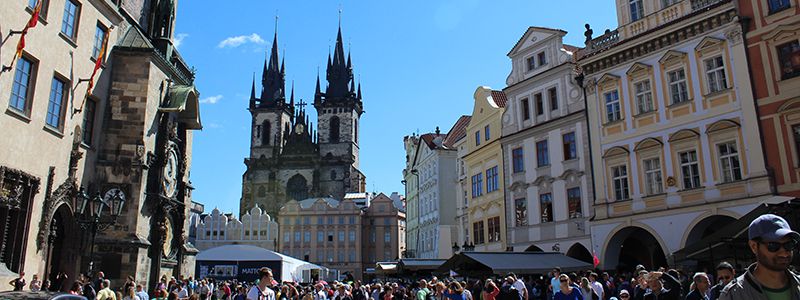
(734, 36)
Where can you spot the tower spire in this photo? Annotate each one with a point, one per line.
(274, 84)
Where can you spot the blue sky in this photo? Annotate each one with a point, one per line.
(419, 63)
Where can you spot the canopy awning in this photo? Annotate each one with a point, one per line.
(731, 241)
(416, 264)
(183, 99)
(386, 268)
(481, 263)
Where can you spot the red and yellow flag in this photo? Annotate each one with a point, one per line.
(31, 23)
(98, 63)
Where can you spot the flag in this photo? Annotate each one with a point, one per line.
(31, 23)
(97, 64)
(595, 259)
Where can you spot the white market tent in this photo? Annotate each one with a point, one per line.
(243, 262)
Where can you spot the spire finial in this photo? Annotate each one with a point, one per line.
(276, 20)
(340, 15)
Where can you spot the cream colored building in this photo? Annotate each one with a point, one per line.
(674, 132)
(131, 138)
(342, 235)
(256, 228)
(545, 142)
(484, 166)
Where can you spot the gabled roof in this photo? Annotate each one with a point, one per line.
(521, 40)
(458, 131)
(310, 202)
(430, 138)
(499, 98)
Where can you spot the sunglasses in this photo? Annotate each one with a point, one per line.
(775, 246)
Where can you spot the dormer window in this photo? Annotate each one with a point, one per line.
(531, 63)
(637, 9)
(542, 58)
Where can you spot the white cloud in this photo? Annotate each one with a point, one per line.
(236, 41)
(211, 100)
(179, 39)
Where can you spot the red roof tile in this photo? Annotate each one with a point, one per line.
(457, 132)
(429, 139)
(499, 98)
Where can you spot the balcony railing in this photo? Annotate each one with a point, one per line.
(700, 4)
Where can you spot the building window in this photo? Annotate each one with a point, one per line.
(297, 221)
(652, 176)
(372, 236)
(494, 229)
(330, 236)
(666, 3)
(542, 155)
(644, 98)
(477, 138)
(352, 235)
(387, 237)
(340, 234)
(99, 36)
(22, 87)
(518, 161)
(477, 232)
(306, 220)
(637, 9)
(690, 169)
(570, 146)
(492, 181)
(729, 161)
(43, 11)
(352, 256)
(286, 237)
(477, 185)
(334, 130)
(552, 93)
(88, 121)
(386, 221)
(613, 112)
(789, 56)
(574, 203)
(70, 21)
(542, 57)
(55, 107)
(296, 236)
(531, 63)
(539, 104)
(778, 5)
(620, 180)
(521, 212)
(330, 255)
(546, 207)
(307, 237)
(526, 109)
(677, 86)
(486, 133)
(352, 220)
(320, 236)
(341, 220)
(715, 73)
(330, 220)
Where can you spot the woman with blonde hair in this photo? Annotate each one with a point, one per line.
(586, 289)
(567, 291)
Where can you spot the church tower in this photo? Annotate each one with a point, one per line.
(339, 110)
(272, 116)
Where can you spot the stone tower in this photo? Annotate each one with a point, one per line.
(272, 116)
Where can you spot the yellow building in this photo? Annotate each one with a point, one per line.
(484, 164)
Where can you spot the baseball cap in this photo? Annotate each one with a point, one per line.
(770, 227)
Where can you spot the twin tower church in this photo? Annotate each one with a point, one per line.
(289, 158)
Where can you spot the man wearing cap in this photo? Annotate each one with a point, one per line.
(773, 242)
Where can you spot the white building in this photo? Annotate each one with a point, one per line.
(546, 148)
(457, 137)
(255, 228)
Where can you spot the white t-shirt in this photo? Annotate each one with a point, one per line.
(256, 294)
(520, 286)
(598, 288)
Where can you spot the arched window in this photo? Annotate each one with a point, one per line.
(355, 126)
(266, 133)
(334, 130)
(333, 174)
(297, 188)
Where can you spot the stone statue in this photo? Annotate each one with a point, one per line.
(588, 34)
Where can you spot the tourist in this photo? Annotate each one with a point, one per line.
(490, 291)
(76, 289)
(261, 291)
(641, 284)
(520, 286)
(597, 287)
(467, 292)
(36, 284)
(98, 283)
(586, 290)
(130, 294)
(567, 291)
(455, 292)
(19, 282)
(725, 274)
(624, 295)
(555, 285)
(773, 242)
(105, 292)
(700, 285)
(141, 293)
(508, 291)
(658, 291)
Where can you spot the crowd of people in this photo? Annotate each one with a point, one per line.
(771, 277)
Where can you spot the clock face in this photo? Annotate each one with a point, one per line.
(170, 181)
(299, 128)
(113, 193)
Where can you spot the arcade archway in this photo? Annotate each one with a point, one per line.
(533, 248)
(579, 252)
(63, 244)
(633, 246)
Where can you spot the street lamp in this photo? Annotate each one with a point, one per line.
(455, 248)
(468, 247)
(90, 214)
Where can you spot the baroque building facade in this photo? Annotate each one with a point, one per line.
(457, 138)
(484, 164)
(255, 228)
(288, 158)
(411, 183)
(773, 51)
(341, 235)
(129, 138)
(546, 148)
(676, 150)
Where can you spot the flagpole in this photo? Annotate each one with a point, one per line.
(21, 43)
